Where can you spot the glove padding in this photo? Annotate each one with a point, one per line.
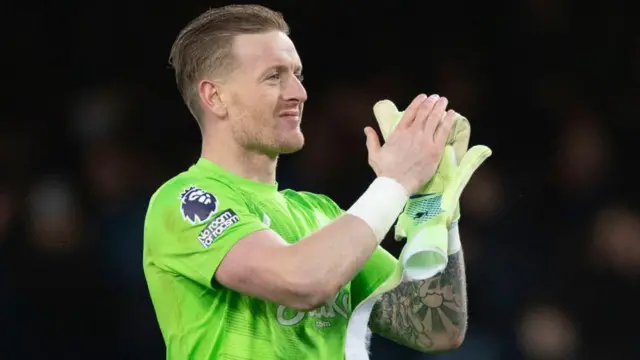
(388, 117)
(437, 201)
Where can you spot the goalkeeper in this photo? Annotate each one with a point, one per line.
(239, 269)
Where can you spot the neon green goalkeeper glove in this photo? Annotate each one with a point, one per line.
(427, 217)
(430, 212)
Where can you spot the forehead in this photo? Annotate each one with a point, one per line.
(261, 51)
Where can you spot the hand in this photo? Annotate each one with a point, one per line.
(388, 117)
(413, 150)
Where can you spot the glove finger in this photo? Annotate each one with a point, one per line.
(446, 171)
(474, 158)
(459, 136)
(448, 164)
(469, 164)
(450, 152)
(387, 115)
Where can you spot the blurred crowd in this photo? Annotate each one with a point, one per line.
(550, 224)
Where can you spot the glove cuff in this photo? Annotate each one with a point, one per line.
(454, 239)
(425, 253)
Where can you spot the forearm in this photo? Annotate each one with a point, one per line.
(426, 315)
(333, 255)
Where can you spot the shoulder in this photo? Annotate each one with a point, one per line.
(313, 200)
(192, 198)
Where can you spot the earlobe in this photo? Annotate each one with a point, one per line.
(211, 98)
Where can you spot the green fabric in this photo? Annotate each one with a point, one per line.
(193, 220)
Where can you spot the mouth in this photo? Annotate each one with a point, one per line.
(293, 116)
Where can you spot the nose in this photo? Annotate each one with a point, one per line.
(294, 91)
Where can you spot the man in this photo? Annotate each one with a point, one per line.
(240, 270)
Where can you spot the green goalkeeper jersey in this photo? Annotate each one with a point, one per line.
(193, 220)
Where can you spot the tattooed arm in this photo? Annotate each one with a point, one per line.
(426, 315)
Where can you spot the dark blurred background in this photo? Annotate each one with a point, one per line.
(92, 123)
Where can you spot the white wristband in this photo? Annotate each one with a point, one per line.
(454, 239)
(380, 205)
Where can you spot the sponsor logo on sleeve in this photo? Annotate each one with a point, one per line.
(217, 226)
(196, 205)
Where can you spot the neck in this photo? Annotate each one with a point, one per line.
(233, 157)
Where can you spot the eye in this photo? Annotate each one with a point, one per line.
(275, 76)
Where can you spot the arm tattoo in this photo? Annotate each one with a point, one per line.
(425, 315)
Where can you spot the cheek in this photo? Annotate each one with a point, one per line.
(254, 112)
(265, 112)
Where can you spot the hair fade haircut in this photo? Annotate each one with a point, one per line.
(203, 47)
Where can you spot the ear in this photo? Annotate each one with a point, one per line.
(210, 98)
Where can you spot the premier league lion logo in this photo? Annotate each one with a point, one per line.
(196, 205)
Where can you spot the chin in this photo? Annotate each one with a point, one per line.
(292, 144)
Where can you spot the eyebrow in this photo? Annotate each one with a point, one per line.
(281, 67)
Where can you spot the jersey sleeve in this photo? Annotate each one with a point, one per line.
(376, 270)
(190, 228)
(323, 203)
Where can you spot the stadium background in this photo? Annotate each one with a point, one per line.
(91, 124)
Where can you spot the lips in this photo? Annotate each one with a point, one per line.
(291, 113)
